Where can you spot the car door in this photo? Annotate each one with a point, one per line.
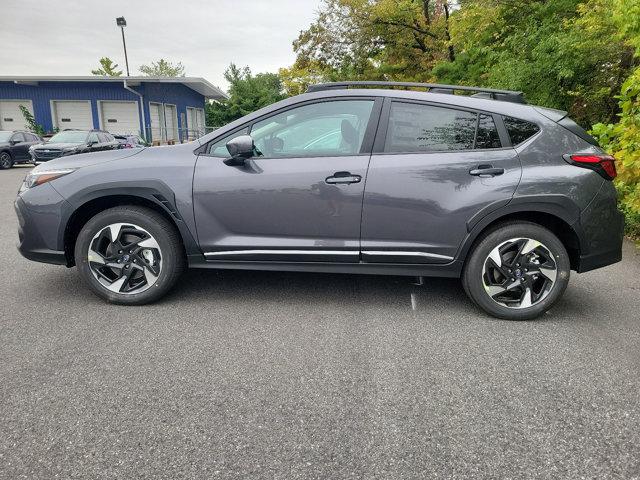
(433, 169)
(20, 147)
(299, 199)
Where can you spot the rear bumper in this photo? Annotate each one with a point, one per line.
(603, 227)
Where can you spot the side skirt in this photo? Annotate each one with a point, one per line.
(450, 270)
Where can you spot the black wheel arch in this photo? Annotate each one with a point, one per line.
(156, 196)
(557, 213)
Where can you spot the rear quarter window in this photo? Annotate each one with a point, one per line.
(520, 130)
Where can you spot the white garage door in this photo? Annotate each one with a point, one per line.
(120, 117)
(200, 121)
(157, 128)
(11, 117)
(172, 122)
(72, 114)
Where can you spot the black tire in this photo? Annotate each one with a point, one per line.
(162, 231)
(473, 280)
(6, 161)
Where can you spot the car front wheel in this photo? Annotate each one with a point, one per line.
(129, 255)
(517, 271)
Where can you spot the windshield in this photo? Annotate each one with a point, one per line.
(5, 136)
(70, 136)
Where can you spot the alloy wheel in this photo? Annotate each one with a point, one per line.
(125, 258)
(519, 273)
(5, 161)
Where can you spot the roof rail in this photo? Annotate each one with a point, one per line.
(481, 92)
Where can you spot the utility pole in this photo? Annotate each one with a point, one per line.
(121, 22)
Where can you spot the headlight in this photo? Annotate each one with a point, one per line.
(36, 178)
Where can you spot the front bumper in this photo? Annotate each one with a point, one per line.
(41, 212)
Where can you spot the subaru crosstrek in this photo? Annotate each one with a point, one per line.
(345, 178)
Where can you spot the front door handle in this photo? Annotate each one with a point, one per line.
(486, 171)
(343, 177)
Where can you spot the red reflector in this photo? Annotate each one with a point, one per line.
(605, 162)
(609, 166)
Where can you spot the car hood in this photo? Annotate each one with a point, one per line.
(87, 159)
(57, 146)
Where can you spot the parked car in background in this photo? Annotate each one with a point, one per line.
(511, 197)
(14, 147)
(131, 141)
(72, 142)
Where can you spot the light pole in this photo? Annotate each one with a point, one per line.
(121, 22)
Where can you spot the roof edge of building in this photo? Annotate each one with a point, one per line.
(198, 84)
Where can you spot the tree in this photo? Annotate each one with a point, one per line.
(372, 39)
(247, 93)
(163, 68)
(622, 137)
(34, 126)
(107, 68)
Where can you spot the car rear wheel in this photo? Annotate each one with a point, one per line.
(129, 255)
(517, 271)
(5, 161)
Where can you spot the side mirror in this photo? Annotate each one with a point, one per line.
(240, 148)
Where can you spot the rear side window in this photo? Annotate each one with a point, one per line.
(520, 130)
(427, 128)
(487, 135)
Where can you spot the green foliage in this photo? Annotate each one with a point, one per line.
(107, 68)
(31, 122)
(551, 50)
(163, 68)
(247, 93)
(622, 140)
(373, 40)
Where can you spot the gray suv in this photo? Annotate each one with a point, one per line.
(345, 178)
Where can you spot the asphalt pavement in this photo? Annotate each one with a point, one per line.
(290, 375)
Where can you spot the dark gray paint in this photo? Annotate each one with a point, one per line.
(424, 204)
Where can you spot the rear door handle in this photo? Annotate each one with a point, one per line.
(486, 171)
(343, 177)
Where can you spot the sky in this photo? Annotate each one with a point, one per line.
(67, 37)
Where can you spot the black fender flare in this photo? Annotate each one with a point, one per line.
(557, 205)
(155, 191)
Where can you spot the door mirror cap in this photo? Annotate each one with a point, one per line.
(240, 148)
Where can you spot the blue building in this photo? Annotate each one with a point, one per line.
(161, 109)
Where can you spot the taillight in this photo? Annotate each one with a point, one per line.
(605, 165)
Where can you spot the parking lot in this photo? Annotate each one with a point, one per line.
(285, 375)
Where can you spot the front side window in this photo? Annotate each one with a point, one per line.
(334, 128)
(520, 130)
(18, 137)
(425, 128)
(93, 138)
(219, 147)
